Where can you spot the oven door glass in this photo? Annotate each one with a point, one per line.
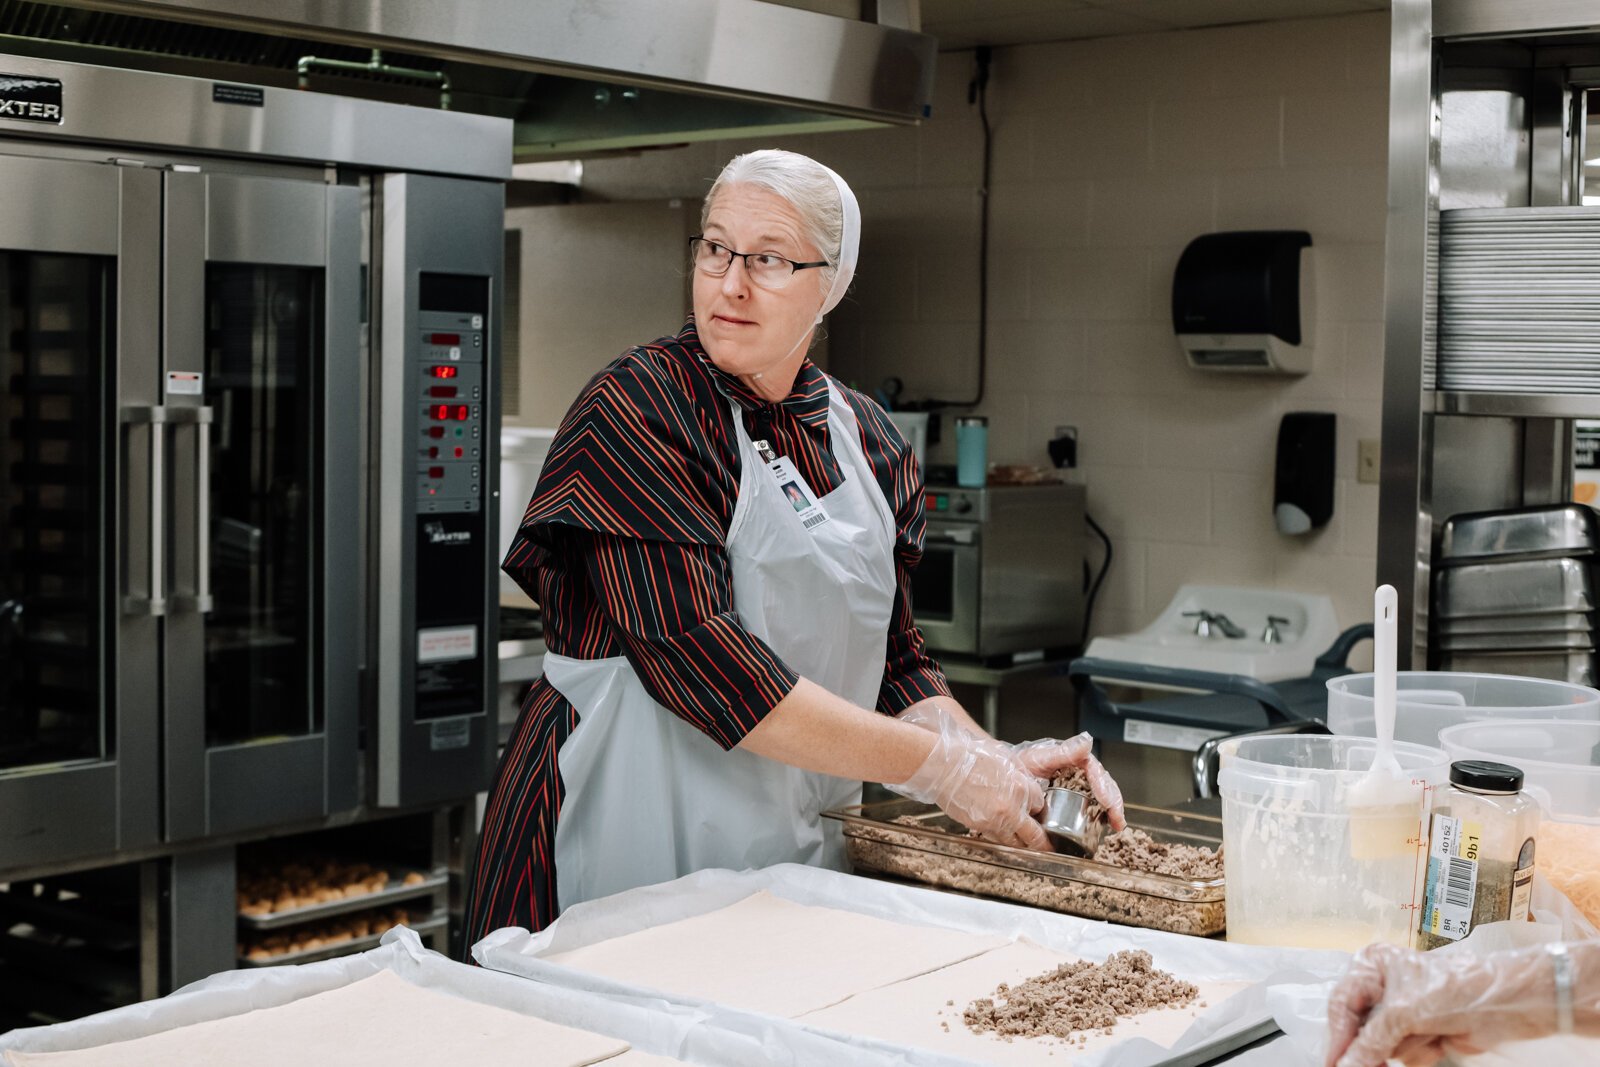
(56, 325)
(944, 588)
(933, 584)
(263, 358)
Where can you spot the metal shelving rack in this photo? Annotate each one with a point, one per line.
(1447, 451)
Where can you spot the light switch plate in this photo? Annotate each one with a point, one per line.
(1369, 459)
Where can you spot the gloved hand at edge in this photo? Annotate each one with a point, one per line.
(1419, 1006)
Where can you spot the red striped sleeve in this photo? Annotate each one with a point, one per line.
(672, 606)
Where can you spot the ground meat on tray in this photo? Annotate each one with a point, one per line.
(1078, 996)
(1138, 851)
(972, 875)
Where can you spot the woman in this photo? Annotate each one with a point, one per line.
(717, 649)
(1417, 1007)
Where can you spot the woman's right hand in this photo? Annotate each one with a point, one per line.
(980, 783)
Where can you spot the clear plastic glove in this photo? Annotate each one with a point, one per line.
(1417, 1007)
(979, 782)
(1046, 757)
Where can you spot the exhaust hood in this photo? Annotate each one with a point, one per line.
(578, 77)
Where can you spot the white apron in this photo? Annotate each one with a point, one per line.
(650, 798)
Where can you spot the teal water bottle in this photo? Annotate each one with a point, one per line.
(972, 451)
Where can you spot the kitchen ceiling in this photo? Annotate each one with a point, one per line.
(964, 23)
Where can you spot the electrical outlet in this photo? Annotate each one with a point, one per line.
(1063, 447)
(1369, 460)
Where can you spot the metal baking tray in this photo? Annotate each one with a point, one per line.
(1518, 588)
(1528, 641)
(395, 890)
(936, 850)
(1578, 668)
(1539, 623)
(1524, 533)
(422, 927)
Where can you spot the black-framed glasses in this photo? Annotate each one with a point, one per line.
(764, 268)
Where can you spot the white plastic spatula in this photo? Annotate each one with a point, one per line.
(1384, 803)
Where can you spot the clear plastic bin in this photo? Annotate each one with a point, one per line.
(1303, 866)
(1429, 701)
(1560, 761)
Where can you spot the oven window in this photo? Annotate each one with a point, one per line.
(55, 351)
(933, 585)
(263, 337)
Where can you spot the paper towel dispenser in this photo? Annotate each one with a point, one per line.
(1241, 301)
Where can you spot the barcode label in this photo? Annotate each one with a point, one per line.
(1458, 883)
(1452, 877)
(815, 520)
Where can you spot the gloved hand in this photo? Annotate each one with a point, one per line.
(1046, 757)
(979, 782)
(1417, 1007)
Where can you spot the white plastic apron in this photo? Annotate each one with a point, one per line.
(650, 798)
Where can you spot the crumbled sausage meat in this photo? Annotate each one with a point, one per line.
(1078, 996)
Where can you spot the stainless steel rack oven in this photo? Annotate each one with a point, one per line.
(248, 441)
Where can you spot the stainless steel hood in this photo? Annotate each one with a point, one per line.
(577, 76)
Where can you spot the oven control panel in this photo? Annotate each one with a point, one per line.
(448, 391)
(954, 502)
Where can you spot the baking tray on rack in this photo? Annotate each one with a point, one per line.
(422, 927)
(920, 843)
(395, 890)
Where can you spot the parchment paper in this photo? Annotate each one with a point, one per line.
(925, 1012)
(771, 955)
(1196, 959)
(375, 1022)
(695, 1036)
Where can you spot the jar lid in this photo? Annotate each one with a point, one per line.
(1485, 777)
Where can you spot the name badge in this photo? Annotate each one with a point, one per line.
(794, 488)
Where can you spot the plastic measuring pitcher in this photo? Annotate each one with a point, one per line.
(1293, 876)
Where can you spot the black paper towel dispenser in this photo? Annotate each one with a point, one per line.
(1241, 301)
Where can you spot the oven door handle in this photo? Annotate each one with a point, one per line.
(965, 535)
(145, 581)
(199, 419)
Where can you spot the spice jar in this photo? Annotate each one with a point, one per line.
(1480, 852)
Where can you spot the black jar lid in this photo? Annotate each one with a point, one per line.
(1485, 777)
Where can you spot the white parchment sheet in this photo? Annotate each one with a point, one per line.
(1197, 959)
(652, 1027)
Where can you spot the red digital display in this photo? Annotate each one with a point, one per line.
(436, 472)
(442, 390)
(450, 412)
(444, 371)
(444, 338)
(435, 431)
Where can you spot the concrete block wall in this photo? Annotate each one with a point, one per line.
(1109, 156)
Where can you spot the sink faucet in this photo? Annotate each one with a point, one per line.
(1214, 619)
(1271, 636)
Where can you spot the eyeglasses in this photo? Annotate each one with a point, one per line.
(765, 269)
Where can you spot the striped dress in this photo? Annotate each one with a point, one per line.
(622, 545)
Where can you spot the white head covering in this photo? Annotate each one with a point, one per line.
(849, 243)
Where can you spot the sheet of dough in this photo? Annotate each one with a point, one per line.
(635, 1058)
(909, 1012)
(772, 955)
(376, 1022)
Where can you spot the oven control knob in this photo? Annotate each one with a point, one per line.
(963, 506)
